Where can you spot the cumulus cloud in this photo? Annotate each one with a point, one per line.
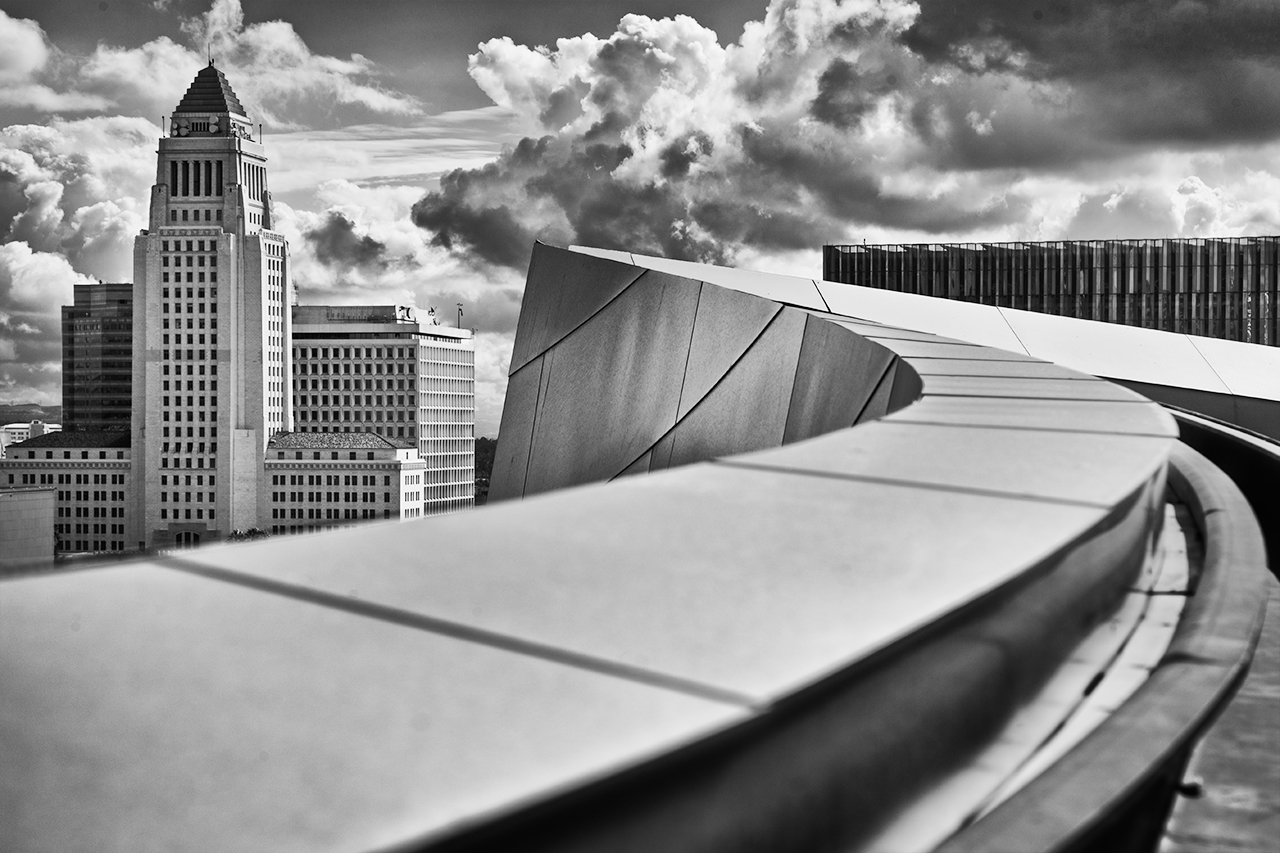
(29, 64)
(838, 119)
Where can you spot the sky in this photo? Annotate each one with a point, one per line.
(417, 148)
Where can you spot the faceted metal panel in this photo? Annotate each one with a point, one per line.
(926, 349)
(878, 403)
(1261, 416)
(727, 324)
(979, 324)
(617, 375)
(747, 410)
(1249, 370)
(1108, 350)
(1013, 369)
(692, 573)
(640, 466)
(1032, 388)
(563, 289)
(835, 377)
(907, 386)
(779, 288)
(608, 254)
(515, 436)
(1083, 467)
(1074, 415)
(217, 717)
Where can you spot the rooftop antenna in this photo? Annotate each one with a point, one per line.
(208, 49)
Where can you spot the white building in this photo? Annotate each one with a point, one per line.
(16, 433)
(375, 368)
(316, 481)
(91, 478)
(211, 326)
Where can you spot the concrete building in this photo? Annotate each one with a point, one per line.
(26, 521)
(375, 368)
(210, 350)
(14, 433)
(90, 474)
(316, 481)
(97, 357)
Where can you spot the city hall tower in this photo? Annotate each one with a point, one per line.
(211, 355)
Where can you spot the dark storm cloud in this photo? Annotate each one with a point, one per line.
(336, 244)
(1143, 70)
(828, 118)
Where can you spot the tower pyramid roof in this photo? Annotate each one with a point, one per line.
(210, 93)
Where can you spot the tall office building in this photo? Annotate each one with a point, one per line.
(211, 326)
(97, 357)
(374, 368)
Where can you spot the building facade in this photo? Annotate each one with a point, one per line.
(19, 432)
(318, 481)
(97, 357)
(375, 368)
(1218, 288)
(26, 524)
(90, 473)
(211, 322)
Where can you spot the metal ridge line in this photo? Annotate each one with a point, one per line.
(465, 633)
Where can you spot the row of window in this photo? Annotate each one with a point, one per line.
(185, 497)
(331, 514)
(192, 447)
(356, 415)
(329, 480)
(199, 462)
(322, 369)
(180, 514)
(192, 307)
(345, 353)
(330, 497)
(210, 214)
(95, 495)
(191, 260)
(73, 480)
(113, 529)
(369, 400)
(89, 512)
(389, 432)
(354, 385)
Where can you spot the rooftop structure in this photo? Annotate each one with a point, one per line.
(857, 584)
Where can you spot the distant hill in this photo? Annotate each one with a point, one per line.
(27, 412)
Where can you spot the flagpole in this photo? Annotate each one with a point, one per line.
(459, 315)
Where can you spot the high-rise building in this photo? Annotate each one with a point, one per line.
(375, 368)
(211, 326)
(97, 357)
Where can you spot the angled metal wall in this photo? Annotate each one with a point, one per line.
(620, 371)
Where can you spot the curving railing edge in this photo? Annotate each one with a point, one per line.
(1114, 790)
